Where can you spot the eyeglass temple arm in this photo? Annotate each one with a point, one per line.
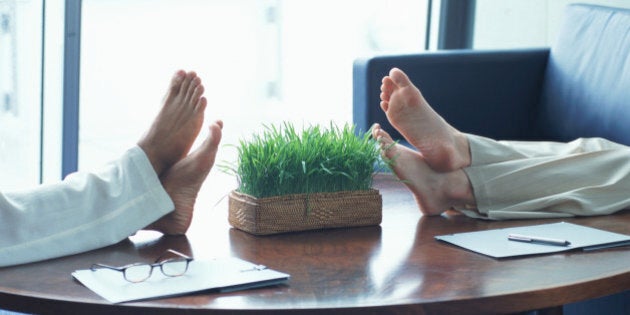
(172, 251)
(99, 266)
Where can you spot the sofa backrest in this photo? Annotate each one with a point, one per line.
(492, 93)
(586, 92)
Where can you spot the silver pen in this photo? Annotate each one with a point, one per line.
(538, 240)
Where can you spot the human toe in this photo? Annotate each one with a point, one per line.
(384, 106)
(197, 92)
(188, 79)
(399, 77)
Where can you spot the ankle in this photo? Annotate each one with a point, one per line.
(155, 162)
(458, 190)
(462, 146)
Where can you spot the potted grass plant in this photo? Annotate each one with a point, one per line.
(316, 178)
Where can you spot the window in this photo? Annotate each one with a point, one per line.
(262, 61)
(20, 93)
(523, 23)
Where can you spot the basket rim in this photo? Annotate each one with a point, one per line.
(371, 191)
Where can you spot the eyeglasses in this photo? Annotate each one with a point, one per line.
(138, 272)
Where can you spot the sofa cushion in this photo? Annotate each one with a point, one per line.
(586, 91)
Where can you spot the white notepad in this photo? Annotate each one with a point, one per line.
(495, 243)
(223, 274)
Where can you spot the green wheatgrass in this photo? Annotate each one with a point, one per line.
(282, 161)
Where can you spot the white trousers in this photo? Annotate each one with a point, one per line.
(83, 212)
(523, 180)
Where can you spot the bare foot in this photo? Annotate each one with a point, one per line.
(435, 192)
(443, 147)
(183, 181)
(177, 124)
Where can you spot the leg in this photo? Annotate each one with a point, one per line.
(85, 211)
(580, 184)
(177, 124)
(183, 181)
(91, 210)
(443, 147)
(488, 151)
(88, 210)
(509, 179)
(435, 192)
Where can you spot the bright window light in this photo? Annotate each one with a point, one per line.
(262, 62)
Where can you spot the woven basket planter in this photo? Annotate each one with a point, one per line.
(302, 212)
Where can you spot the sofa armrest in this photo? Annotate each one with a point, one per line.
(489, 93)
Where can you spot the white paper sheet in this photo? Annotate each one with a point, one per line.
(226, 274)
(495, 243)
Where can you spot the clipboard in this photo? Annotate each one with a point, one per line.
(495, 243)
(221, 275)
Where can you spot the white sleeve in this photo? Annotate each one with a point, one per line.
(83, 212)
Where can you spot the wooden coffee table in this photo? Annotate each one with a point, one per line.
(397, 267)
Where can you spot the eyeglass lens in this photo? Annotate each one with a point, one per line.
(138, 273)
(170, 268)
(174, 267)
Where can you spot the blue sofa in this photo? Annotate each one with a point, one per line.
(580, 87)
